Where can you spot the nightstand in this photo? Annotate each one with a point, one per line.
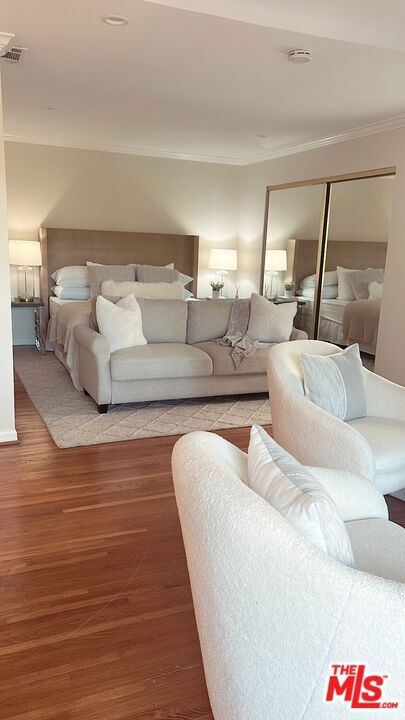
(37, 305)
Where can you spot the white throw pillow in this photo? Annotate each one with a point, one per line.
(288, 486)
(335, 382)
(270, 323)
(345, 291)
(71, 293)
(330, 278)
(121, 324)
(159, 291)
(375, 290)
(71, 276)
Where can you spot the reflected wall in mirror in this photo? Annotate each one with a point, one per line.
(334, 233)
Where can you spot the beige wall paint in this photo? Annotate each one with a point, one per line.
(62, 187)
(7, 423)
(367, 153)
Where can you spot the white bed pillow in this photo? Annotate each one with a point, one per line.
(159, 291)
(330, 292)
(345, 291)
(375, 290)
(71, 293)
(330, 278)
(71, 276)
(270, 323)
(291, 489)
(335, 383)
(185, 279)
(121, 324)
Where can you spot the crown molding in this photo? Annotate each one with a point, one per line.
(356, 133)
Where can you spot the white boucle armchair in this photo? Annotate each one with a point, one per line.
(373, 446)
(273, 611)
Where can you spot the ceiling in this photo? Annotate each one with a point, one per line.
(202, 79)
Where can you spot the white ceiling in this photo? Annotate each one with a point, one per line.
(203, 82)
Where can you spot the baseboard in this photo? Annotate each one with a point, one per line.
(9, 437)
(30, 341)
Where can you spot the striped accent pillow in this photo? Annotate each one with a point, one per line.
(335, 383)
(297, 495)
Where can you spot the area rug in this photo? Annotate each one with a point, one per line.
(72, 418)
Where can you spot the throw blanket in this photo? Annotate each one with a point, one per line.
(242, 345)
(360, 321)
(60, 334)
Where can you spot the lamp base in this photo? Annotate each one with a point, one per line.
(26, 298)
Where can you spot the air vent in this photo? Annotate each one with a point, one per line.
(13, 55)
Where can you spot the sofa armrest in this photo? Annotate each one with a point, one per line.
(94, 364)
(92, 341)
(315, 437)
(384, 398)
(298, 334)
(355, 497)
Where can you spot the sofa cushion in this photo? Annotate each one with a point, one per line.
(224, 365)
(207, 320)
(387, 441)
(160, 360)
(164, 320)
(379, 547)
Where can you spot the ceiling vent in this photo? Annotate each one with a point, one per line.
(13, 54)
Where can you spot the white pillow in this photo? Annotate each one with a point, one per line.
(71, 276)
(288, 486)
(121, 324)
(329, 292)
(160, 291)
(345, 291)
(71, 293)
(330, 278)
(270, 323)
(335, 383)
(375, 290)
(184, 279)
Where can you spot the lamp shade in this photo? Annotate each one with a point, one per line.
(25, 252)
(223, 259)
(276, 260)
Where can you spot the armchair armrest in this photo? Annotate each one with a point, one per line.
(92, 341)
(355, 497)
(384, 398)
(315, 437)
(298, 334)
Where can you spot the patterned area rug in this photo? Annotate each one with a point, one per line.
(72, 418)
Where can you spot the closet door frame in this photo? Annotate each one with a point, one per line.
(328, 182)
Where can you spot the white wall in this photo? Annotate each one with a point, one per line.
(377, 151)
(62, 187)
(7, 422)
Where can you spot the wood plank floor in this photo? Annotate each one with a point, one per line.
(96, 618)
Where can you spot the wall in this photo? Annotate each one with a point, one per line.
(377, 151)
(7, 423)
(62, 187)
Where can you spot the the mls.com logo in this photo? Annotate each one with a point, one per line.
(351, 684)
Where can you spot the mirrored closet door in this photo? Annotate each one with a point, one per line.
(333, 235)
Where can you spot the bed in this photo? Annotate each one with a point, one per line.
(62, 247)
(341, 322)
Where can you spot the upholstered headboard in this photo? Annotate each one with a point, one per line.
(351, 254)
(61, 247)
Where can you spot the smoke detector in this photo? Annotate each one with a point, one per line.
(300, 56)
(13, 54)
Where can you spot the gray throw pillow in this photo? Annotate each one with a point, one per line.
(154, 273)
(336, 383)
(99, 273)
(270, 323)
(361, 279)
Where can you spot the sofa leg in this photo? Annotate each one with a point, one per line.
(102, 409)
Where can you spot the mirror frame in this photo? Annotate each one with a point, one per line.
(328, 182)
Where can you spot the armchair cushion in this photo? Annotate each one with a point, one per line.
(297, 495)
(379, 547)
(387, 441)
(336, 383)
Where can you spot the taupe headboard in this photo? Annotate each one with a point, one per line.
(351, 254)
(61, 247)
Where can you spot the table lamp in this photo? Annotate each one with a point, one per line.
(26, 254)
(276, 261)
(222, 261)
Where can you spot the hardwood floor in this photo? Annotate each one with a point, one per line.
(96, 617)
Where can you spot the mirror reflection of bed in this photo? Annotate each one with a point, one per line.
(354, 245)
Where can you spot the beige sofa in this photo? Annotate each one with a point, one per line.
(180, 360)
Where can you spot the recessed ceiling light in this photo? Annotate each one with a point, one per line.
(115, 20)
